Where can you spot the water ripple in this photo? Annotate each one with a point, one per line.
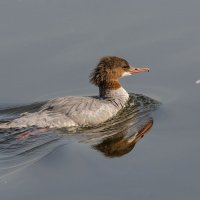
(113, 138)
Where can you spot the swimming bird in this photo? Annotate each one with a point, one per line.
(78, 111)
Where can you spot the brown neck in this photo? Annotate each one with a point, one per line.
(114, 90)
(110, 85)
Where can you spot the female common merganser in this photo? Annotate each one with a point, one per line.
(84, 111)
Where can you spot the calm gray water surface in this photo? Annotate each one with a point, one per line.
(47, 49)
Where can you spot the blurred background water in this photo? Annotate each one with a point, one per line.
(48, 48)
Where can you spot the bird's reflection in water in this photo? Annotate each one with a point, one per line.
(119, 145)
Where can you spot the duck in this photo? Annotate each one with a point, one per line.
(76, 111)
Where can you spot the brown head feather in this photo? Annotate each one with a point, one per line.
(108, 71)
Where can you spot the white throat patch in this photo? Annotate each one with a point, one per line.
(126, 74)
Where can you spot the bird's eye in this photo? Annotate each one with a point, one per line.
(125, 67)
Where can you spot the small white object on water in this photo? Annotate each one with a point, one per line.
(198, 82)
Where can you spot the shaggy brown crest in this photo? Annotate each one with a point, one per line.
(108, 71)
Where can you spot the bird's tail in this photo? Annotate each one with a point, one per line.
(4, 125)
